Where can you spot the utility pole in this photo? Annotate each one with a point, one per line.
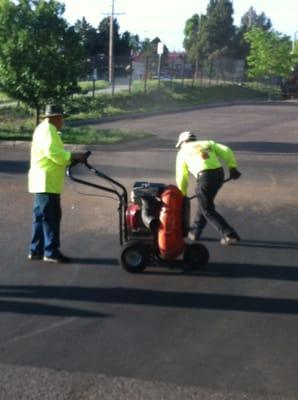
(160, 50)
(111, 49)
(111, 46)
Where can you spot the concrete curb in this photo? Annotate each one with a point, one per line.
(96, 121)
(25, 145)
(15, 144)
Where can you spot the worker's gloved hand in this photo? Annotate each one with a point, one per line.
(234, 173)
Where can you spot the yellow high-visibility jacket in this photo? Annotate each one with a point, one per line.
(200, 155)
(48, 160)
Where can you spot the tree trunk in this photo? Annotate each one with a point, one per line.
(210, 71)
(37, 115)
(146, 74)
(183, 71)
(197, 68)
(193, 76)
(202, 75)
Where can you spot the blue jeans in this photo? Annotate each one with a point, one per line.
(46, 224)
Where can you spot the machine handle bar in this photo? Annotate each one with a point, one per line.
(122, 195)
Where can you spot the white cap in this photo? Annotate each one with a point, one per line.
(184, 137)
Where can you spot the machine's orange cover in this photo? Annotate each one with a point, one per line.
(170, 237)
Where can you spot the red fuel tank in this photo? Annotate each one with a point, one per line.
(170, 233)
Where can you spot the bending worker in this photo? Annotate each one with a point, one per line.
(46, 179)
(202, 159)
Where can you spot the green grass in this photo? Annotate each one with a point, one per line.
(88, 85)
(4, 98)
(17, 123)
(170, 96)
(84, 135)
(79, 135)
(89, 135)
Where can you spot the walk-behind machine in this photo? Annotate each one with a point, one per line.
(153, 226)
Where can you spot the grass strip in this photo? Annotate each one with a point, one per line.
(17, 121)
(84, 135)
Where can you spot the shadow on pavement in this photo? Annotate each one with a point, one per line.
(268, 272)
(157, 298)
(95, 261)
(33, 308)
(262, 244)
(265, 147)
(14, 167)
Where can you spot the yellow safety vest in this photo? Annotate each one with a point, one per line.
(48, 160)
(200, 155)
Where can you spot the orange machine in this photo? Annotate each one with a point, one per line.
(153, 227)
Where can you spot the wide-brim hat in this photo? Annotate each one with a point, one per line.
(54, 110)
(185, 137)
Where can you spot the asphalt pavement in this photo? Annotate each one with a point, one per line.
(90, 330)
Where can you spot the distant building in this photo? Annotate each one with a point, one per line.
(139, 67)
(173, 65)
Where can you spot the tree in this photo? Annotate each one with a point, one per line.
(125, 44)
(295, 55)
(218, 31)
(194, 40)
(191, 35)
(88, 37)
(251, 19)
(219, 28)
(211, 34)
(134, 43)
(90, 42)
(40, 55)
(104, 34)
(248, 21)
(270, 54)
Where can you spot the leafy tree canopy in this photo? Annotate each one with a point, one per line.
(251, 19)
(219, 28)
(248, 21)
(270, 53)
(88, 37)
(40, 55)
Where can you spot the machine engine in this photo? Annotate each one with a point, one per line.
(159, 213)
(142, 214)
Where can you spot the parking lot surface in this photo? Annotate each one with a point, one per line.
(89, 330)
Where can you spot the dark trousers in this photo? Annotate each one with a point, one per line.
(46, 224)
(208, 184)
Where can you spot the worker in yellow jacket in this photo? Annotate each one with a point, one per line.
(46, 180)
(202, 158)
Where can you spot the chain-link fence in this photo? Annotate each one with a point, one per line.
(174, 69)
(140, 71)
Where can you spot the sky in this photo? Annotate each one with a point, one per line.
(166, 18)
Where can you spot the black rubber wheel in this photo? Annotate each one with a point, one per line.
(196, 256)
(134, 256)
